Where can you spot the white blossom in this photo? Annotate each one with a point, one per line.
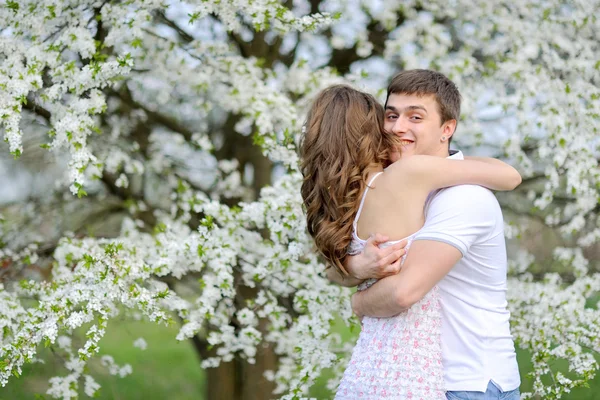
(141, 114)
(140, 343)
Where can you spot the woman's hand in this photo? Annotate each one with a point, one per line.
(375, 262)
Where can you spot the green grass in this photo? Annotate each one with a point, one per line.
(167, 369)
(170, 370)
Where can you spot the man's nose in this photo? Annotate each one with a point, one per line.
(400, 126)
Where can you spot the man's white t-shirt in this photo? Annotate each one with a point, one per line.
(477, 346)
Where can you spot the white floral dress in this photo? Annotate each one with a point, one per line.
(398, 357)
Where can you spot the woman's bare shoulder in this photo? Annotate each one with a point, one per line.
(405, 167)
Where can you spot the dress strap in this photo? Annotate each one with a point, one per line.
(362, 201)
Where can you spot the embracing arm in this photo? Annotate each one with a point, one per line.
(348, 281)
(435, 172)
(427, 263)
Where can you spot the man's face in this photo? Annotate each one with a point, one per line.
(416, 120)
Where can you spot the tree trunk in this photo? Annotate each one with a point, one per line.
(238, 380)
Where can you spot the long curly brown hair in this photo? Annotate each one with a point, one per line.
(343, 142)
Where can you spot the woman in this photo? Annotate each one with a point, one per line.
(344, 151)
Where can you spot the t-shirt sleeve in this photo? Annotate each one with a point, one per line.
(460, 216)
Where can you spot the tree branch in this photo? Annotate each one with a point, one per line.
(342, 59)
(32, 106)
(125, 95)
(183, 35)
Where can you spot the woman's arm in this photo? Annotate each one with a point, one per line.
(348, 281)
(487, 160)
(436, 172)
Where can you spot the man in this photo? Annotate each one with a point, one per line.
(461, 249)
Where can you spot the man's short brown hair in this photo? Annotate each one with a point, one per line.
(423, 82)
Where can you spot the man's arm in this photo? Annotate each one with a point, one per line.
(427, 263)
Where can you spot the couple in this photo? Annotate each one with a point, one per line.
(410, 223)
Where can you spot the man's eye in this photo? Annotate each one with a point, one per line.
(416, 117)
(392, 116)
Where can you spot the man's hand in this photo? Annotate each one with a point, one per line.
(375, 262)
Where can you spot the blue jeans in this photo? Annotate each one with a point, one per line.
(492, 393)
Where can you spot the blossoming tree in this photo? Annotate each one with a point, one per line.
(173, 116)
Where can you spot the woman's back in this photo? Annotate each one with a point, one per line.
(392, 207)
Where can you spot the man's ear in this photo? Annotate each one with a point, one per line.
(448, 128)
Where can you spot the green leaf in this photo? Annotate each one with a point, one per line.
(13, 5)
(193, 17)
(52, 11)
(160, 228)
(546, 14)
(181, 187)
(89, 260)
(258, 139)
(137, 42)
(124, 60)
(81, 192)
(208, 222)
(162, 295)
(112, 249)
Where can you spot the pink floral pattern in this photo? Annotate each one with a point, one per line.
(398, 357)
